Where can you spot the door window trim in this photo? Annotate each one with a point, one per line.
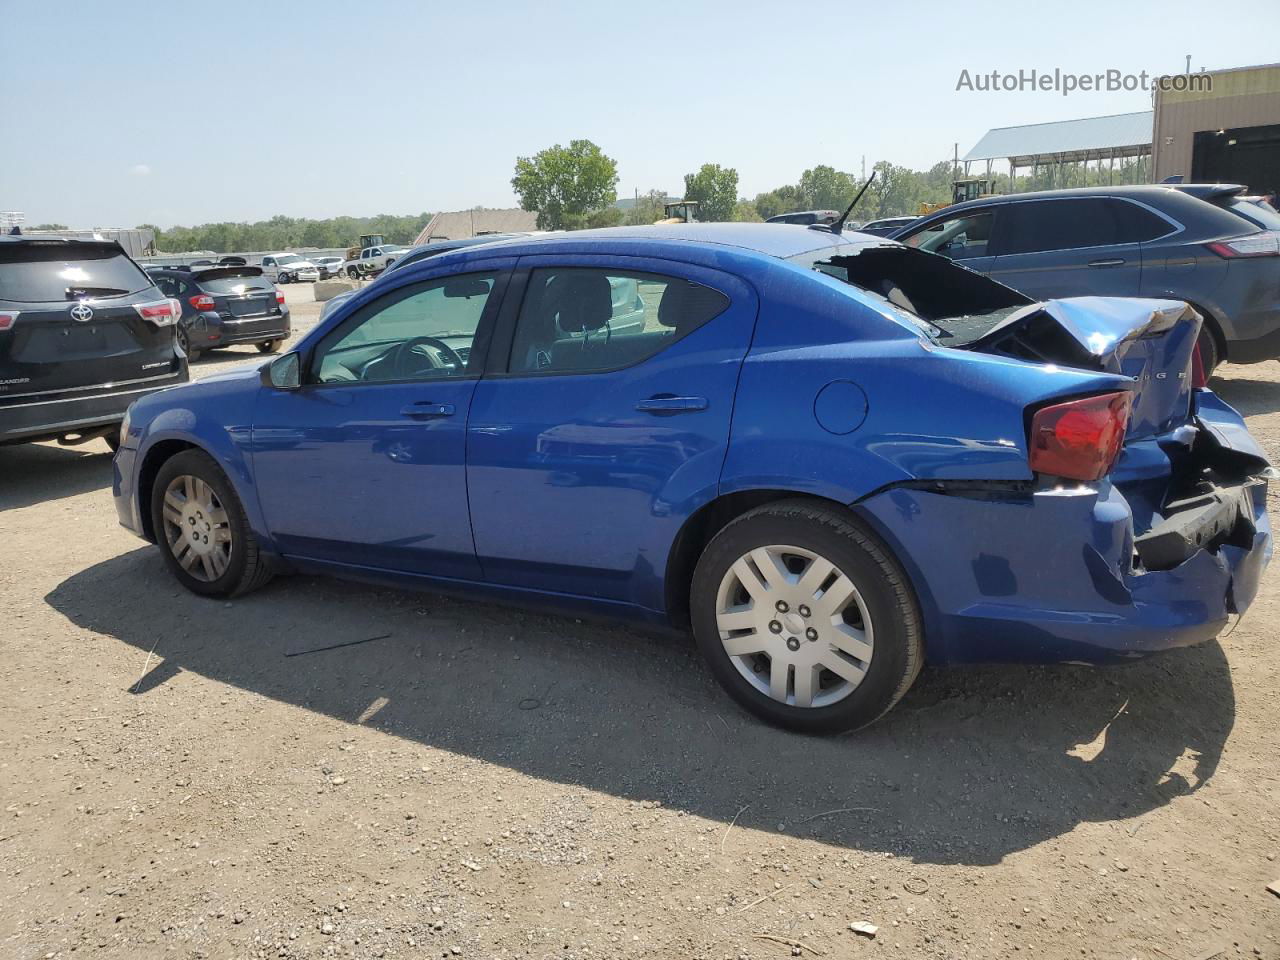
(499, 359)
(480, 345)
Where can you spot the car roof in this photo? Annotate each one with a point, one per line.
(772, 240)
(1137, 191)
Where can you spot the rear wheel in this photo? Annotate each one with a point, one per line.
(184, 341)
(269, 346)
(201, 528)
(805, 618)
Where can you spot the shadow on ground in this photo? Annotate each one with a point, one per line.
(38, 472)
(1250, 397)
(973, 765)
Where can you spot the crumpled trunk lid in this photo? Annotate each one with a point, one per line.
(1151, 341)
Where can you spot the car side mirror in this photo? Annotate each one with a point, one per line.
(284, 373)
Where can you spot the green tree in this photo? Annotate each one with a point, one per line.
(49, 226)
(744, 211)
(608, 217)
(782, 200)
(566, 184)
(716, 190)
(649, 208)
(825, 188)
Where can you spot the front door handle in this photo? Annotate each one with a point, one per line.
(667, 404)
(1107, 263)
(425, 411)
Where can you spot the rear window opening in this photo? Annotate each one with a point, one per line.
(961, 306)
(41, 272)
(233, 281)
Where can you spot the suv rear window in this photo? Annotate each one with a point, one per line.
(35, 272)
(233, 281)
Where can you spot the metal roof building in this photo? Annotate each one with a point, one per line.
(460, 224)
(1116, 137)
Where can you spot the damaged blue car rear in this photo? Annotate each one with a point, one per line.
(830, 456)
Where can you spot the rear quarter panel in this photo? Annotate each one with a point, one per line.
(930, 413)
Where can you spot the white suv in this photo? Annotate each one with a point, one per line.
(289, 267)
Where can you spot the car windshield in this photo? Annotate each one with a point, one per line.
(39, 272)
(288, 258)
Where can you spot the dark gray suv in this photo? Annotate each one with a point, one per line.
(1189, 243)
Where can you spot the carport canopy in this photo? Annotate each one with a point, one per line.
(1116, 137)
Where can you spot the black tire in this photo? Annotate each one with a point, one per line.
(246, 569)
(353, 273)
(184, 341)
(113, 440)
(269, 346)
(898, 646)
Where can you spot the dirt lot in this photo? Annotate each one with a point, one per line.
(188, 778)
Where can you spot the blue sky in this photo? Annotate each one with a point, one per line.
(114, 114)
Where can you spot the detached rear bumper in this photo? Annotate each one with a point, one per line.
(1051, 575)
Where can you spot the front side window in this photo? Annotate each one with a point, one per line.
(960, 238)
(423, 332)
(576, 319)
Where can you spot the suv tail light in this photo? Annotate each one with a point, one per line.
(163, 313)
(1265, 243)
(1079, 439)
(7, 319)
(201, 301)
(279, 296)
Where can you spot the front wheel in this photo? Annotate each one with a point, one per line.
(805, 618)
(202, 530)
(353, 273)
(269, 346)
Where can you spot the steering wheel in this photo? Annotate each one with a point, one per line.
(400, 359)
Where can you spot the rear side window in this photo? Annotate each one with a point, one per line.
(39, 272)
(579, 320)
(1037, 226)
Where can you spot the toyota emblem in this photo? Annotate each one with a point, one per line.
(81, 312)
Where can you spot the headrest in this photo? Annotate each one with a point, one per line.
(582, 300)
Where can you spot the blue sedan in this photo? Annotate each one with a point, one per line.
(833, 457)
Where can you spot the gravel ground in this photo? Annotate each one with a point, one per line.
(191, 778)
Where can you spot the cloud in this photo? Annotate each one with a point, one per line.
(140, 170)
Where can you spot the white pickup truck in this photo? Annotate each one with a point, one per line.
(372, 261)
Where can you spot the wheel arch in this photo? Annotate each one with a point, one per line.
(156, 456)
(702, 525)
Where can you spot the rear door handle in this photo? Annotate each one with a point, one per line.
(669, 404)
(425, 411)
(1107, 263)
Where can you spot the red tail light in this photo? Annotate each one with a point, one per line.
(8, 319)
(201, 301)
(1265, 243)
(1079, 439)
(279, 296)
(163, 313)
(1198, 378)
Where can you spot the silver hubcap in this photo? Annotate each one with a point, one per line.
(794, 626)
(197, 528)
